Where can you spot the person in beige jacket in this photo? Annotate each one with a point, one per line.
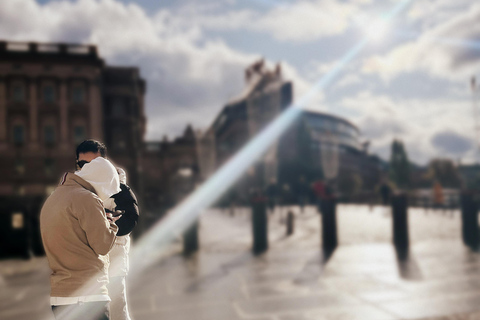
(124, 202)
(77, 235)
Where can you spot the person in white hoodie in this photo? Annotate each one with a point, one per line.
(91, 162)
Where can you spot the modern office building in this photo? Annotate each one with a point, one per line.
(316, 146)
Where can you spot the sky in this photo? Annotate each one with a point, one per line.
(412, 84)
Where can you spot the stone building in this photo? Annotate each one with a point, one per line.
(52, 97)
(173, 171)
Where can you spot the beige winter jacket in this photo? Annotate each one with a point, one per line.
(76, 234)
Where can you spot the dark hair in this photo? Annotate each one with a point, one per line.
(91, 145)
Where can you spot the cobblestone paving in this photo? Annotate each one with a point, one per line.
(363, 279)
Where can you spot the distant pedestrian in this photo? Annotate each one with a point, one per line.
(272, 194)
(318, 188)
(302, 192)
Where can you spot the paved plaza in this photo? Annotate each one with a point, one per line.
(293, 280)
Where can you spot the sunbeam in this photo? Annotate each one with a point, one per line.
(180, 217)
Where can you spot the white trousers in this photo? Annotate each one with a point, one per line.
(118, 293)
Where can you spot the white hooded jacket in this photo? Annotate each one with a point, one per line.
(103, 176)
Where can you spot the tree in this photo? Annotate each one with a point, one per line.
(445, 172)
(399, 165)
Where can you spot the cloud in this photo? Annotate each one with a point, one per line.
(429, 13)
(451, 143)
(448, 50)
(349, 80)
(306, 21)
(299, 21)
(189, 77)
(421, 124)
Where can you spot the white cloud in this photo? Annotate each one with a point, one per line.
(349, 80)
(189, 78)
(448, 50)
(297, 21)
(430, 13)
(417, 122)
(306, 21)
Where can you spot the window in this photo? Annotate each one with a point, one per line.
(49, 135)
(118, 107)
(119, 141)
(78, 94)
(79, 134)
(49, 166)
(18, 135)
(19, 166)
(49, 93)
(18, 93)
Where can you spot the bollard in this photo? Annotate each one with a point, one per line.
(470, 230)
(329, 224)
(400, 222)
(259, 224)
(190, 239)
(290, 223)
(464, 207)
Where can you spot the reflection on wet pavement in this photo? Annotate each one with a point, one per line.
(364, 278)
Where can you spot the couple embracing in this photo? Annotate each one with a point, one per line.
(85, 225)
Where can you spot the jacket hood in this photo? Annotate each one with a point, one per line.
(103, 176)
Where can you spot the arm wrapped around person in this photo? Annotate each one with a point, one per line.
(126, 202)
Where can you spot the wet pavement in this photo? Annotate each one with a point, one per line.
(362, 279)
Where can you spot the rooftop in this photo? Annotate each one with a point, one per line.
(57, 52)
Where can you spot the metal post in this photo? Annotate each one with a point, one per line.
(190, 239)
(400, 221)
(290, 223)
(470, 230)
(259, 224)
(329, 224)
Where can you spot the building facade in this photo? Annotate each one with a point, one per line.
(316, 146)
(52, 97)
(327, 147)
